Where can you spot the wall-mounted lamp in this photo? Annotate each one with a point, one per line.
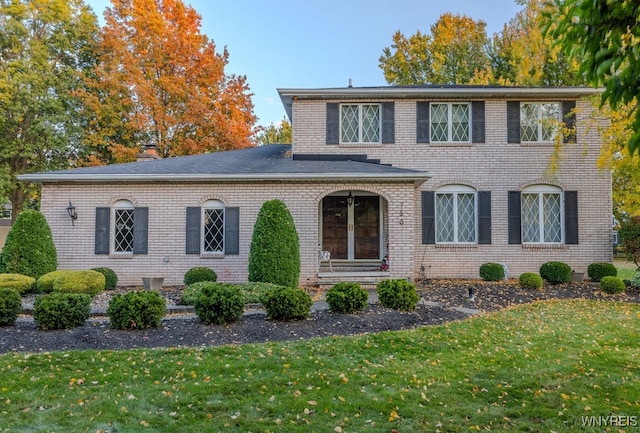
(71, 210)
(350, 199)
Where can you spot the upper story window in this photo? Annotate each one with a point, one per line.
(539, 121)
(450, 122)
(360, 123)
(455, 212)
(542, 214)
(213, 227)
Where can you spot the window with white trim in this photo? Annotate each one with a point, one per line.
(123, 217)
(456, 214)
(450, 122)
(213, 227)
(539, 121)
(360, 123)
(542, 214)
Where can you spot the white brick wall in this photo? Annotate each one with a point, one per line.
(494, 166)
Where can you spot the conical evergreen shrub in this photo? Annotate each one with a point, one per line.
(275, 250)
(29, 248)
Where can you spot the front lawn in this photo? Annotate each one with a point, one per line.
(538, 367)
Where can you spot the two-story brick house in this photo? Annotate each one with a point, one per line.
(390, 182)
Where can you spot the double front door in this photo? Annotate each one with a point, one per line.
(352, 231)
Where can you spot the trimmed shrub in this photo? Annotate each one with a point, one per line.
(21, 283)
(10, 306)
(555, 272)
(87, 282)
(286, 303)
(347, 298)
(601, 269)
(29, 248)
(629, 233)
(492, 272)
(219, 303)
(192, 291)
(198, 274)
(110, 277)
(612, 285)
(530, 281)
(635, 280)
(138, 309)
(253, 291)
(397, 294)
(61, 310)
(44, 284)
(274, 256)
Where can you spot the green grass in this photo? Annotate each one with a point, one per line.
(533, 368)
(626, 268)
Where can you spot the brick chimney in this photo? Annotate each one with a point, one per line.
(149, 153)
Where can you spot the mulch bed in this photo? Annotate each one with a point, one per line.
(187, 331)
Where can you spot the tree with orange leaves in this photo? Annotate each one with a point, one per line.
(160, 82)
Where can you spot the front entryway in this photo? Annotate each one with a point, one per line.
(352, 227)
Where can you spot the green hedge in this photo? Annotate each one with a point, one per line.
(530, 281)
(347, 298)
(397, 294)
(138, 309)
(10, 306)
(555, 272)
(492, 272)
(110, 276)
(89, 282)
(199, 274)
(61, 310)
(19, 282)
(601, 269)
(286, 303)
(612, 285)
(219, 303)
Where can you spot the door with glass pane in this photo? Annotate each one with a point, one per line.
(351, 232)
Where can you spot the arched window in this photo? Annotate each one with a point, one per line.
(123, 220)
(455, 214)
(213, 227)
(542, 214)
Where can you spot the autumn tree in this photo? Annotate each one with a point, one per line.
(46, 47)
(451, 54)
(604, 37)
(161, 82)
(275, 133)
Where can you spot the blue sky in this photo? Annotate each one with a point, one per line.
(320, 43)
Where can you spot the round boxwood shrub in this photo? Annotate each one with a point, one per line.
(555, 272)
(10, 306)
(192, 291)
(274, 256)
(44, 284)
(21, 283)
(397, 294)
(347, 298)
(61, 310)
(110, 277)
(29, 248)
(635, 280)
(198, 274)
(87, 282)
(138, 309)
(612, 285)
(492, 271)
(219, 303)
(530, 281)
(286, 303)
(601, 269)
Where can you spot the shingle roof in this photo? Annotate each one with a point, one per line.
(271, 162)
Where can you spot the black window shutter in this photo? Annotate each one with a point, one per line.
(477, 122)
(484, 217)
(514, 210)
(571, 217)
(513, 121)
(140, 230)
(422, 122)
(232, 231)
(193, 230)
(103, 215)
(388, 123)
(569, 119)
(333, 123)
(428, 217)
